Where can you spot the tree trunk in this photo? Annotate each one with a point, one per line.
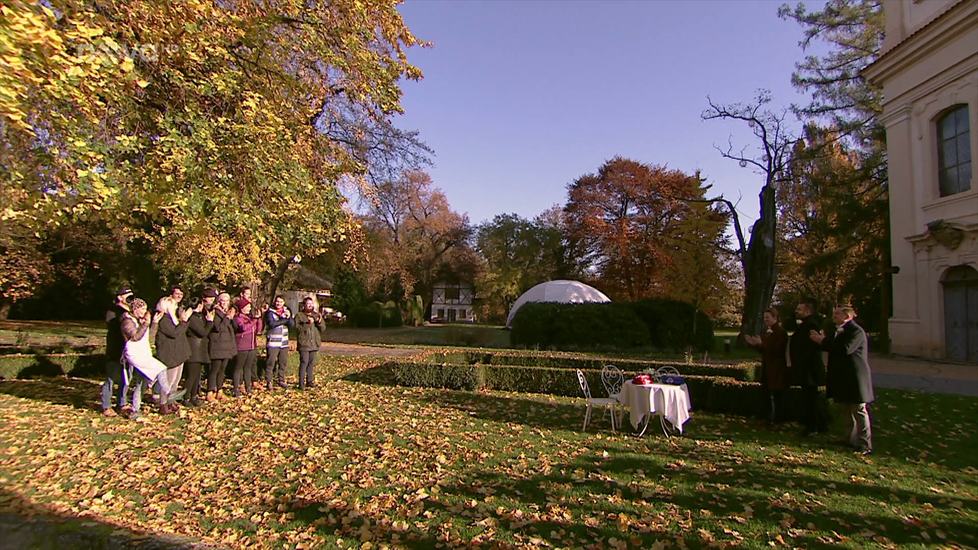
(268, 289)
(5, 305)
(760, 272)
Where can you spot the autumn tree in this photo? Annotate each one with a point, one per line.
(757, 256)
(848, 109)
(518, 253)
(630, 222)
(215, 145)
(413, 230)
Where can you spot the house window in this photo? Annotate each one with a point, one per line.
(954, 151)
(451, 293)
(461, 314)
(441, 313)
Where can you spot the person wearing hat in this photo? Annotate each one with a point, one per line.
(246, 329)
(114, 344)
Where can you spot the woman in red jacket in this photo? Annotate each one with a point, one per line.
(246, 329)
(773, 345)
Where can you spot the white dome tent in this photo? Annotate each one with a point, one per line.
(566, 292)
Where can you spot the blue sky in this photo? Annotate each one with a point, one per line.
(521, 97)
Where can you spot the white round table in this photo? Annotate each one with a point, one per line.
(645, 400)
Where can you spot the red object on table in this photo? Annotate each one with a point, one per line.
(642, 379)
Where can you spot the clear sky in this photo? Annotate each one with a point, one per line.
(521, 97)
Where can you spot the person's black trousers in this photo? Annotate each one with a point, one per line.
(192, 384)
(242, 366)
(215, 378)
(814, 414)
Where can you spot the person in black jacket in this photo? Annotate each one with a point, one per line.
(222, 347)
(199, 326)
(806, 362)
(114, 344)
(849, 381)
(172, 347)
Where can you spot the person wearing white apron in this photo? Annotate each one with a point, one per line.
(135, 330)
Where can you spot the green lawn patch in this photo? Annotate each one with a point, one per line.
(362, 463)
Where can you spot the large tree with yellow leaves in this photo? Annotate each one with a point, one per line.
(206, 128)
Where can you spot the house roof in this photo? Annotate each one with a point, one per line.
(306, 279)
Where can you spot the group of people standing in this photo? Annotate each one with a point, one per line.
(210, 333)
(847, 377)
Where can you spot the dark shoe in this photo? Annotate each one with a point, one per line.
(268, 386)
(312, 385)
(283, 385)
(864, 452)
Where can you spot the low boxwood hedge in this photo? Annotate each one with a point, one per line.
(719, 394)
(746, 372)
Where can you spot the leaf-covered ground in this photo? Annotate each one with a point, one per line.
(359, 463)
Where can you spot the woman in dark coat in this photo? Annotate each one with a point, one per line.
(199, 326)
(172, 347)
(222, 345)
(773, 345)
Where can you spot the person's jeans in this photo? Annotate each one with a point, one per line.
(242, 366)
(307, 364)
(137, 383)
(113, 377)
(277, 357)
(858, 426)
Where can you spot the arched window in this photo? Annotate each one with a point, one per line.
(954, 151)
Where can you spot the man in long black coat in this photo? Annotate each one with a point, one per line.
(850, 382)
(806, 361)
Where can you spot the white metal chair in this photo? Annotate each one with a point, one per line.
(613, 378)
(606, 402)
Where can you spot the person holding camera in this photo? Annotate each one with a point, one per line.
(222, 346)
(199, 326)
(278, 319)
(309, 325)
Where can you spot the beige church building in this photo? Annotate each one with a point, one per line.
(929, 73)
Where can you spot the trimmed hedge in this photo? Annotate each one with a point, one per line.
(717, 394)
(746, 372)
(80, 366)
(578, 326)
(671, 324)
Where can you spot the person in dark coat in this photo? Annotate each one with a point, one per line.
(114, 344)
(806, 361)
(172, 347)
(199, 326)
(850, 381)
(773, 345)
(309, 325)
(222, 345)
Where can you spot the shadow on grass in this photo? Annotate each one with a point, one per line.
(25, 524)
(76, 392)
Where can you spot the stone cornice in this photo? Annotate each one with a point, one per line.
(947, 27)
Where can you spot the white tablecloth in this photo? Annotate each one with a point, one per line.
(671, 401)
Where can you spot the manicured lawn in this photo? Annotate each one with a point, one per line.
(358, 463)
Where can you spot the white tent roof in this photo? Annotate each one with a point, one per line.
(558, 291)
